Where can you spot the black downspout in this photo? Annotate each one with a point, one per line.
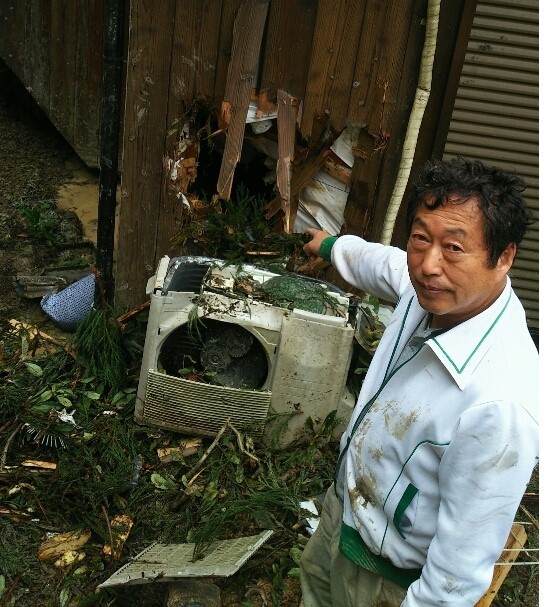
(110, 113)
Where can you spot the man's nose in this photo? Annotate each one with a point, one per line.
(432, 262)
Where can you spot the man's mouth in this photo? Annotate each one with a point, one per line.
(428, 288)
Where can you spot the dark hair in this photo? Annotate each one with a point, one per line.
(506, 215)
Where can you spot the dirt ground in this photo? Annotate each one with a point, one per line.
(42, 182)
(40, 171)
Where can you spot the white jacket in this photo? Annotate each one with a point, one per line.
(454, 432)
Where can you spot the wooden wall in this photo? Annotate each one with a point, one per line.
(341, 60)
(337, 61)
(54, 47)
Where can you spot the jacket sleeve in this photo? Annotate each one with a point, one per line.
(372, 267)
(482, 477)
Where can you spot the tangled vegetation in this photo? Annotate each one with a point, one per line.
(102, 465)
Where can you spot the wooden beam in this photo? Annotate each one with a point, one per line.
(241, 81)
(514, 544)
(302, 174)
(287, 47)
(286, 128)
(359, 208)
(147, 93)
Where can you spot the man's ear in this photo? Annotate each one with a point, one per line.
(506, 258)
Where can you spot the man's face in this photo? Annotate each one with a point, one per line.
(448, 263)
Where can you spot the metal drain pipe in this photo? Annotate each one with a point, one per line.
(112, 61)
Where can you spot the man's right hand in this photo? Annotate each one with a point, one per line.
(313, 246)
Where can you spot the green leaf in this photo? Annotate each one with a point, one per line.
(64, 597)
(46, 395)
(34, 369)
(92, 395)
(162, 483)
(64, 401)
(45, 408)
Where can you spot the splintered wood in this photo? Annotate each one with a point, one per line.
(241, 80)
(286, 120)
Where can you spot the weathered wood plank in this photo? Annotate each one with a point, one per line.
(64, 24)
(359, 208)
(241, 81)
(208, 31)
(88, 81)
(150, 41)
(37, 52)
(372, 41)
(193, 65)
(394, 128)
(225, 41)
(13, 16)
(287, 47)
(392, 52)
(340, 82)
(321, 62)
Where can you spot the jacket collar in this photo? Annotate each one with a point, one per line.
(461, 348)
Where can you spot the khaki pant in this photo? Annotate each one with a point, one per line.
(328, 579)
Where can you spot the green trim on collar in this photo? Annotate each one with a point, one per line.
(352, 546)
(325, 250)
(462, 368)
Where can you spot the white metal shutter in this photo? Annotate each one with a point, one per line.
(495, 117)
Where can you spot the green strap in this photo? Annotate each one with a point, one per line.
(325, 250)
(353, 548)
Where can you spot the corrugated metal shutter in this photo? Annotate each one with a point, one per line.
(495, 117)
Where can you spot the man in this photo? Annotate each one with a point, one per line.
(444, 436)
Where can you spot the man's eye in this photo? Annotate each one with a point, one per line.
(454, 248)
(419, 237)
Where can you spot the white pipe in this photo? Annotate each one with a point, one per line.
(414, 125)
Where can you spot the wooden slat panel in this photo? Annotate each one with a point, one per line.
(287, 48)
(194, 50)
(339, 83)
(37, 65)
(88, 81)
(323, 60)
(150, 42)
(207, 46)
(12, 45)
(225, 40)
(64, 21)
(241, 80)
(386, 103)
(184, 59)
(365, 75)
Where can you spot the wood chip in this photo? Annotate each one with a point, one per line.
(59, 545)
